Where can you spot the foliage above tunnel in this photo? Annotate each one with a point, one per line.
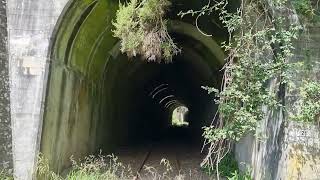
(142, 29)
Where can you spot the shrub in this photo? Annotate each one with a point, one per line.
(308, 105)
(142, 30)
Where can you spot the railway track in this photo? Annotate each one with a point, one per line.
(146, 157)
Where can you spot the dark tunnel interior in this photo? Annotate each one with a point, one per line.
(99, 99)
(172, 85)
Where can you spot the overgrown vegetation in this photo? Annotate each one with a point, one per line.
(4, 175)
(142, 29)
(256, 71)
(236, 175)
(91, 168)
(308, 105)
(228, 166)
(306, 9)
(109, 168)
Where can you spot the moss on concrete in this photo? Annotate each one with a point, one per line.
(95, 95)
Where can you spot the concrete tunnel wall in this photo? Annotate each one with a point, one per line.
(98, 99)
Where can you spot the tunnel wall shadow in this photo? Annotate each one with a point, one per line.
(95, 96)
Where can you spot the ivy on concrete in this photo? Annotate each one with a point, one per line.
(142, 28)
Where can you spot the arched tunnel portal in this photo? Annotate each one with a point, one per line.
(99, 99)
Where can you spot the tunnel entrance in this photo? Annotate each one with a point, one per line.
(98, 99)
(156, 129)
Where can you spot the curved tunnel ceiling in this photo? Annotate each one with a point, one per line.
(97, 98)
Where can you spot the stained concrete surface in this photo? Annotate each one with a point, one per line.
(6, 158)
(30, 25)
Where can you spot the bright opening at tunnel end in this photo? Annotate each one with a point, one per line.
(178, 116)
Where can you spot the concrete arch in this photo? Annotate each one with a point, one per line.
(98, 99)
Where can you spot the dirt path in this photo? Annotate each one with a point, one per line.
(184, 160)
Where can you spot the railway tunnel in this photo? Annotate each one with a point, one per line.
(99, 99)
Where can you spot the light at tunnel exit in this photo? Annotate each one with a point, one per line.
(179, 116)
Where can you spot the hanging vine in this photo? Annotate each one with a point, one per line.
(260, 43)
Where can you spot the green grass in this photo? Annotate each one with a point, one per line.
(109, 168)
(5, 176)
(228, 168)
